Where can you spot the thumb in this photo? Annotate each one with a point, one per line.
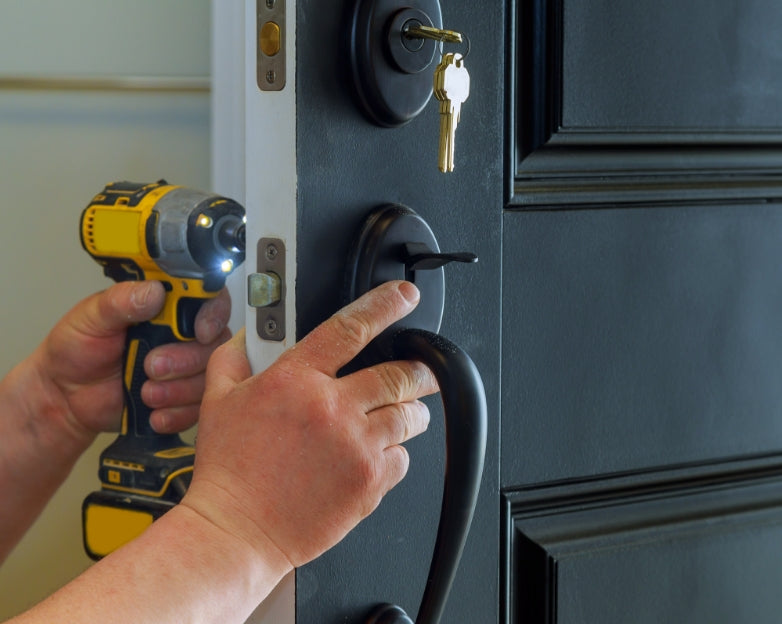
(228, 366)
(120, 306)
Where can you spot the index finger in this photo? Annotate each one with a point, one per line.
(336, 341)
(213, 317)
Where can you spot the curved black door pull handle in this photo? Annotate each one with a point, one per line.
(464, 405)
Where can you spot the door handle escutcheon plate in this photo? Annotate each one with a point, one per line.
(395, 243)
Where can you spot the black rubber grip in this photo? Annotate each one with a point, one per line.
(141, 339)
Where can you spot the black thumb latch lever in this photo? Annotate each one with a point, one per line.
(418, 257)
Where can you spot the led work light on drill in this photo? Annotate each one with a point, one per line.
(190, 241)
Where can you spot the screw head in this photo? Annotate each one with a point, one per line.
(270, 4)
(271, 252)
(271, 76)
(270, 326)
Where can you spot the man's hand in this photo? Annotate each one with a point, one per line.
(287, 463)
(292, 459)
(56, 401)
(81, 359)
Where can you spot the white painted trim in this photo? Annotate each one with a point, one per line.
(227, 99)
(227, 122)
(270, 176)
(280, 606)
(254, 161)
(270, 196)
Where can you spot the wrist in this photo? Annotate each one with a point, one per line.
(36, 408)
(219, 510)
(38, 450)
(248, 570)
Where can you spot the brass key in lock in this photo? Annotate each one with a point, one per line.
(419, 31)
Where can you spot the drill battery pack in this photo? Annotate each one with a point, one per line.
(142, 478)
(112, 519)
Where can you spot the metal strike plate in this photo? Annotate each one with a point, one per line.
(270, 48)
(266, 290)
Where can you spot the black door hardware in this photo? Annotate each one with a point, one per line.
(396, 243)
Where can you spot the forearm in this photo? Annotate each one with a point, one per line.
(38, 449)
(182, 570)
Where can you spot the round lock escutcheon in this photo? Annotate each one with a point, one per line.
(388, 69)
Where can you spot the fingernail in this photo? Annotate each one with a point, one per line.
(212, 329)
(160, 422)
(161, 366)
(140, 295)
(409, 292)
(155, 393)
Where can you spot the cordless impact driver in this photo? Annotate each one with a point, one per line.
(190, 241)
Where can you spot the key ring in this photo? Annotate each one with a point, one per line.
(466, 40)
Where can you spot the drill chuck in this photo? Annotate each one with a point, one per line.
(231, 236)
(188, 236)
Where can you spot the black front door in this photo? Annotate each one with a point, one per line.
(618, 174)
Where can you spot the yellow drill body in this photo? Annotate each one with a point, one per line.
(190, 241)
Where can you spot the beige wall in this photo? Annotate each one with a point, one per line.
(57, 149)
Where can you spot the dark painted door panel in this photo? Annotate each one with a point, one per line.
(684, 65)
(699, 545)
(641, 337)
(619, 174)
